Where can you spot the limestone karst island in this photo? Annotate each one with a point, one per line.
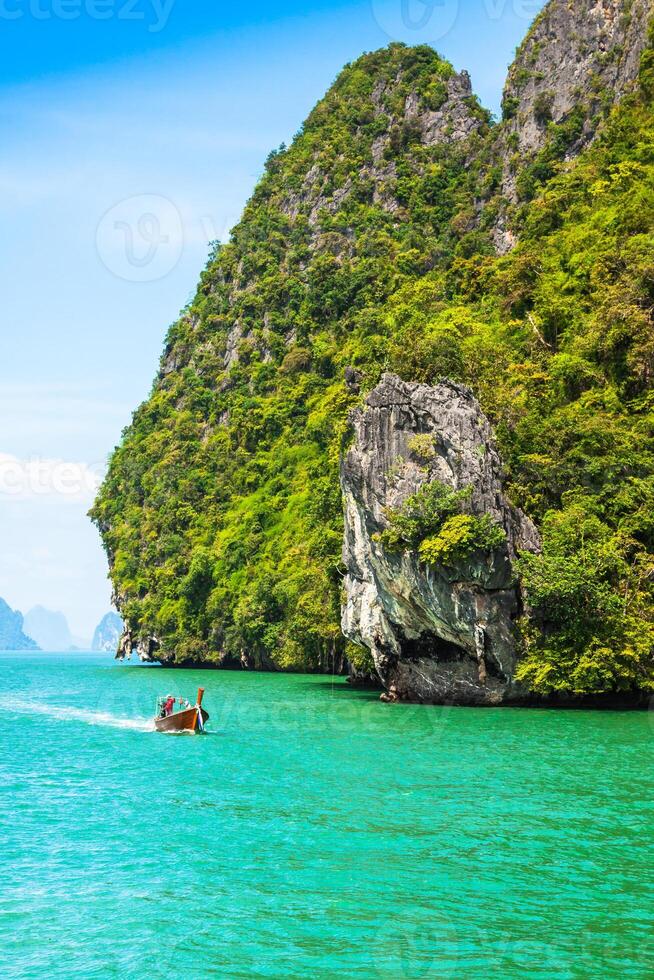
(327, 603)
(403, 428)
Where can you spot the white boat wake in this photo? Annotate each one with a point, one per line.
(87, 717)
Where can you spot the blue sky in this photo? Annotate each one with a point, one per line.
(131, 129)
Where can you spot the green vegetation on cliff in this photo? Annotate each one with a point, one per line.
(221, 511)
(365, 246)
(432, 522)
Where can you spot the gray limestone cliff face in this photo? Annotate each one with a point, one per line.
(145, 646)
(578, 56)
(436, 634)
(452, 123)
(573, 53)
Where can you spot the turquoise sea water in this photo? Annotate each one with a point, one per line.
(316, 833)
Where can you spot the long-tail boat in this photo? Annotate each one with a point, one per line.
(187, 719)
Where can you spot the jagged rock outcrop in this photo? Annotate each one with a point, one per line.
(575, 54)
(436, 634)
(144, 646)
(578, 57)
(453, 121)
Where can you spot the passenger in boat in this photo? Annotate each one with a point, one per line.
(169, 706)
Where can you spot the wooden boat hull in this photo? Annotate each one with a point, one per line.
(181, 721)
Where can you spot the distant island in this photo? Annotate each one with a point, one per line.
(50, 630)
(12, 636)
(46, 629)
(107, 633)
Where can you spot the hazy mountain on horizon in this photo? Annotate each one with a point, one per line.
(107, 633)
(12, 635)
(50, 630)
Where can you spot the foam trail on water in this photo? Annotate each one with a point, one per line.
(83, 715)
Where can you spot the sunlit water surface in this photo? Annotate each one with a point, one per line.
(315, 832)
